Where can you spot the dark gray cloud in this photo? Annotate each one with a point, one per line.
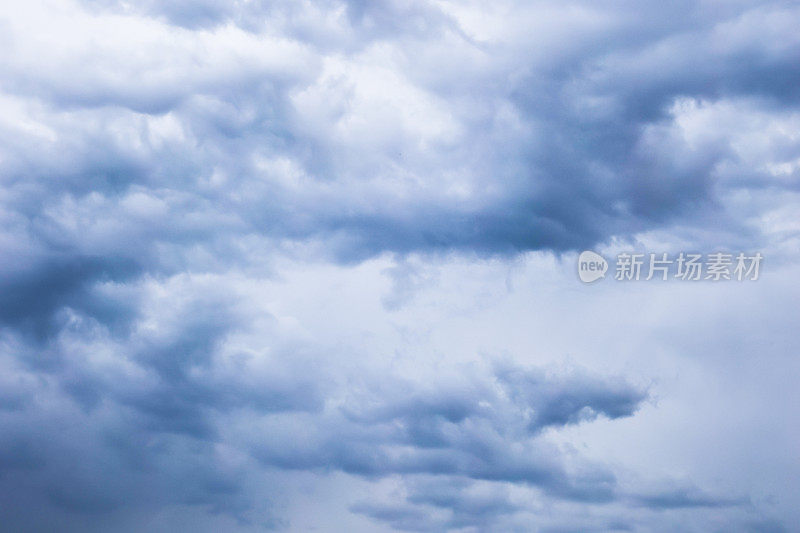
(481, 430)
(528, 150)
(118, 423)
(687, 496)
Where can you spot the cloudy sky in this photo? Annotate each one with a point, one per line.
(306, 265)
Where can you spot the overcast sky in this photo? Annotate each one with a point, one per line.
(306, 265)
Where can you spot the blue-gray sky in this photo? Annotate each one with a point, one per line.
(310, 266)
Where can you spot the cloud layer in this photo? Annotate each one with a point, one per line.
(198, 198)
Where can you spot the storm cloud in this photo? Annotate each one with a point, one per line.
(250, 248)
